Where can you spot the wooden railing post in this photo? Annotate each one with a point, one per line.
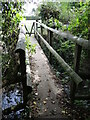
(23, 75)
(78, 50)
(88, 46)
(36, 29)
(50, 37)
(31, 29)
(77, 56)
(41, 34)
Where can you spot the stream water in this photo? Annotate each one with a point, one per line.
(11, 96)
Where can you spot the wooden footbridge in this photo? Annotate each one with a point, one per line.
(43, 77)
(76, 80)
(42, 80)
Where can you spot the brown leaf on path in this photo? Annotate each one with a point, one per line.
(44, 102)
(53, 102)
(45, 110)
(34, 103)
(36, 94)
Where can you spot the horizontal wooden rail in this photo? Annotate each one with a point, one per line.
(83, 97)
(80, 41)
(21, 43)
(77, 79)
(32, 17)
(21, 40)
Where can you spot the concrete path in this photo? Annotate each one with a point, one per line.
(45, 89)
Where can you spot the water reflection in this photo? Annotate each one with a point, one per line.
(11, 96)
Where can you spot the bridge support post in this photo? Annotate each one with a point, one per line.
(23, 75)
(72, 91)
(36, 29)
(41, 34)
(78, 50)
(77, 56)
(50, 37)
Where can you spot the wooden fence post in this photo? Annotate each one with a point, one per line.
(77, 56)
(41, 34)
(23, 75)
(31, 29)
(36, 29)
(89, 45)
(78, 50)
(50, 37)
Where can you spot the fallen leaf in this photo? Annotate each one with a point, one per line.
(46, 98)
(53, 112)
(44, 102)
(63, 111)
(53, 102)
(34, 103)
(36, 94)
(45, 110)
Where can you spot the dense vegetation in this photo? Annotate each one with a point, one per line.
(74, 15)
(62, 16)
(66, 16)
(11, 17)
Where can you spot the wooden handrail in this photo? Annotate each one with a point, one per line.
(80, 41)
(77, 79)
(21, 43)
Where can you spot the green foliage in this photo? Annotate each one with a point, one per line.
(65, 48)
(11, 18)
(54, 10)
(70, 16)
(47, 11)
(75, 15)
(65, 13)
(58, 23)
(80, 21)
(31, 47)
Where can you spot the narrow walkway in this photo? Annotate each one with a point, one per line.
(45, 89)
